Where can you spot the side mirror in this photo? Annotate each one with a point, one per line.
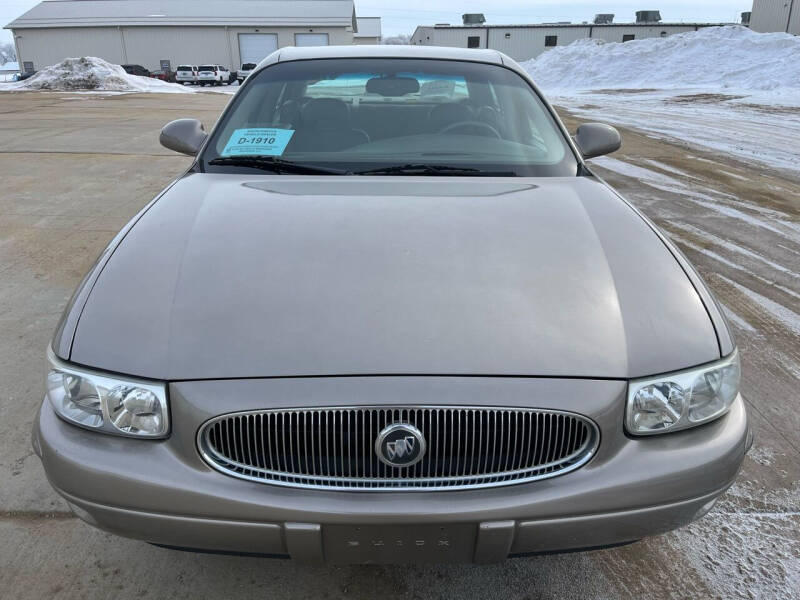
(184, 135)
(597, 139)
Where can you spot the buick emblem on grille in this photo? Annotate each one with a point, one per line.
(400, 445)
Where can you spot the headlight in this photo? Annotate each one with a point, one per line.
(683, 399)
(130, 407)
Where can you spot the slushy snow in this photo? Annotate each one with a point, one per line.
(726, 89)
(96, 74)
(713, 58)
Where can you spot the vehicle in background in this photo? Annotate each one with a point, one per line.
(163, 75)
(136, 70)
(186, 74)
(213, 75)
(24, 76)
(245, 71)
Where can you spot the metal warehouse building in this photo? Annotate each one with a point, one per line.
(149, 32)
(369, 31)
(776, 15)
(522, 42)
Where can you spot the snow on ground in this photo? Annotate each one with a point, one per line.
(772, 220)
(730, 58)
(744, 260)
(725, 88)
(759, 560)
(97, 75)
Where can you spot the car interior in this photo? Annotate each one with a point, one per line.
(421, 115)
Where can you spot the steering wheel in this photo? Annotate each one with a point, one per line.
(490, 131)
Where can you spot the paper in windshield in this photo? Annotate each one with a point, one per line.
(258, 142)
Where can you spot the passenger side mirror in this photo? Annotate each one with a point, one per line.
(184, 135)
(597, 139)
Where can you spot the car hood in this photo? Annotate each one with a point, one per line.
(232, 276)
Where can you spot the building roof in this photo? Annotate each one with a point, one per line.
(248, 13)
(368, 27)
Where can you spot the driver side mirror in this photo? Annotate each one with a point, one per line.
(597, 139)
(184, 135)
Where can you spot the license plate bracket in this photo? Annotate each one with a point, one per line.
(381, 544)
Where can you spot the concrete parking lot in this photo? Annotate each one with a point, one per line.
(74, 168)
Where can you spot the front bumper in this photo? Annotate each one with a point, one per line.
(162, 492)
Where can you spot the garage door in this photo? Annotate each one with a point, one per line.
(310, 39)
(254, 47)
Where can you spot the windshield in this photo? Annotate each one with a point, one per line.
(207, 68)
(248, 66)
(372, 114)
(184, 68)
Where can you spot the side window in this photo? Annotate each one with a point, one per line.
(628, 37)
(474, 41)
(550, 41)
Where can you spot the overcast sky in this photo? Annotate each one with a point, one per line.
(402, 16)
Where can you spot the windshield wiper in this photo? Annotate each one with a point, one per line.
(424, 169)
(275, 164)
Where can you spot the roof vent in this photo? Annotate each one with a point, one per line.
(603, 18)
(746, 18)
(648, 16)
(473, 18)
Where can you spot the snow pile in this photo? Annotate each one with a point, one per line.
(91, 73)
(731, 57)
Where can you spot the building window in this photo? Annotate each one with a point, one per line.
(663, 34)
(550, 41)
(628, 37)
(508, 36)
(474, 41)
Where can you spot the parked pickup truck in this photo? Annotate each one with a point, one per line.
(244, 72)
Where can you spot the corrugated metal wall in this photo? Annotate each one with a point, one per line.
(45, 47)
(615, 34)
(422, 36)
(524, 43)
(459, 37)
(776, 15)
(794, 22)
(147, 46)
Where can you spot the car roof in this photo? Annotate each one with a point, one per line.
(290, 53)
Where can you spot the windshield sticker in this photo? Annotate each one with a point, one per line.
(259, 142)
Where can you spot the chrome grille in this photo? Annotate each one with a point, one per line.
(333, 448)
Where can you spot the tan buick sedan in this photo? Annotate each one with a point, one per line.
(390, 315)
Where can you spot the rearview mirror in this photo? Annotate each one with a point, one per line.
(184, 135)
(597, 139)
(392, 86)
